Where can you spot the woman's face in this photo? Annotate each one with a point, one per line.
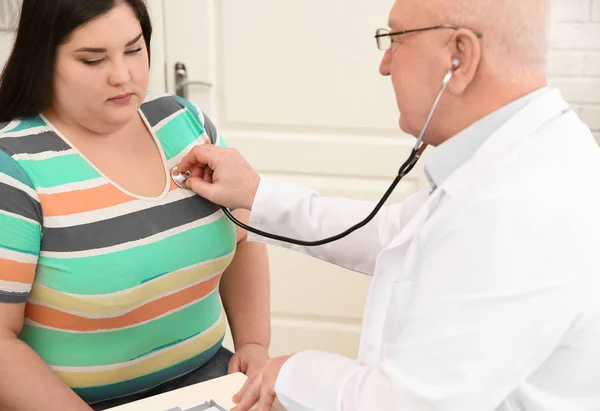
(102, 72)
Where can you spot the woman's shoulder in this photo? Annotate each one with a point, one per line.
(165, 105)
(16, 136)
(162, 108)
(21, 125)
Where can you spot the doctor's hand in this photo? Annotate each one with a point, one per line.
(221, 175)
(260, 388)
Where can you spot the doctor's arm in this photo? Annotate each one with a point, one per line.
(490, 304)
(223, 176)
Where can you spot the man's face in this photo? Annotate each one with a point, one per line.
(416, 62)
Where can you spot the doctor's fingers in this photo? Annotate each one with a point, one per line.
(249, 382)
(228, 164)
(249, 394)
(207, 175)
(265, 403)
(197, 171)
(205, 155)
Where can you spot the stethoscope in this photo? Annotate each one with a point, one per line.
(180, 179)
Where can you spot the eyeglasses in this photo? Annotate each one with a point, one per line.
(384, 36)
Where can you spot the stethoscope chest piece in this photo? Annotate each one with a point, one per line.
(179, 178)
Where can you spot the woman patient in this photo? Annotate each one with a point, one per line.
(111, 277)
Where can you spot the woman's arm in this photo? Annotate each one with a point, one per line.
(26, 382)
(245, 292)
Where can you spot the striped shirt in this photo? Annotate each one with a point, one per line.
(121, 291)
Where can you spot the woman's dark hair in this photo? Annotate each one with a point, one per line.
(27, 79)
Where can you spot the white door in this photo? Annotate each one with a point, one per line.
(295, 87)
(8, 18)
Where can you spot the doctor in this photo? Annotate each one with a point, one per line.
(486, 287)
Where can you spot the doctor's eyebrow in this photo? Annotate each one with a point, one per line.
(103, 50)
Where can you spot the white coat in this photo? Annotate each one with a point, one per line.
(485, 293)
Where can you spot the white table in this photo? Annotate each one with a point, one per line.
(219, 389)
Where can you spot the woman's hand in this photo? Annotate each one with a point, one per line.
(248, 359)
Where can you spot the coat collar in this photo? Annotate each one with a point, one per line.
(525, 123)
(446, 158)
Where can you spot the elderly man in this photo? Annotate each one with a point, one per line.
(485, 292)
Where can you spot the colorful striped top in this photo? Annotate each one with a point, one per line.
(121, 291)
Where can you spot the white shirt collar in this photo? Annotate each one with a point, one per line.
(444, 159)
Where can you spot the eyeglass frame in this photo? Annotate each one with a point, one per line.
(399, 33)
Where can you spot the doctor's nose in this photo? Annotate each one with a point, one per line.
(384, 66)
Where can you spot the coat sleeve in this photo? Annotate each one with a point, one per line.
(300, 213)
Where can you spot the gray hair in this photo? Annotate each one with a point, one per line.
(515, 32)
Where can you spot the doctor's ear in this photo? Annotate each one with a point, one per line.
(466, 51)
